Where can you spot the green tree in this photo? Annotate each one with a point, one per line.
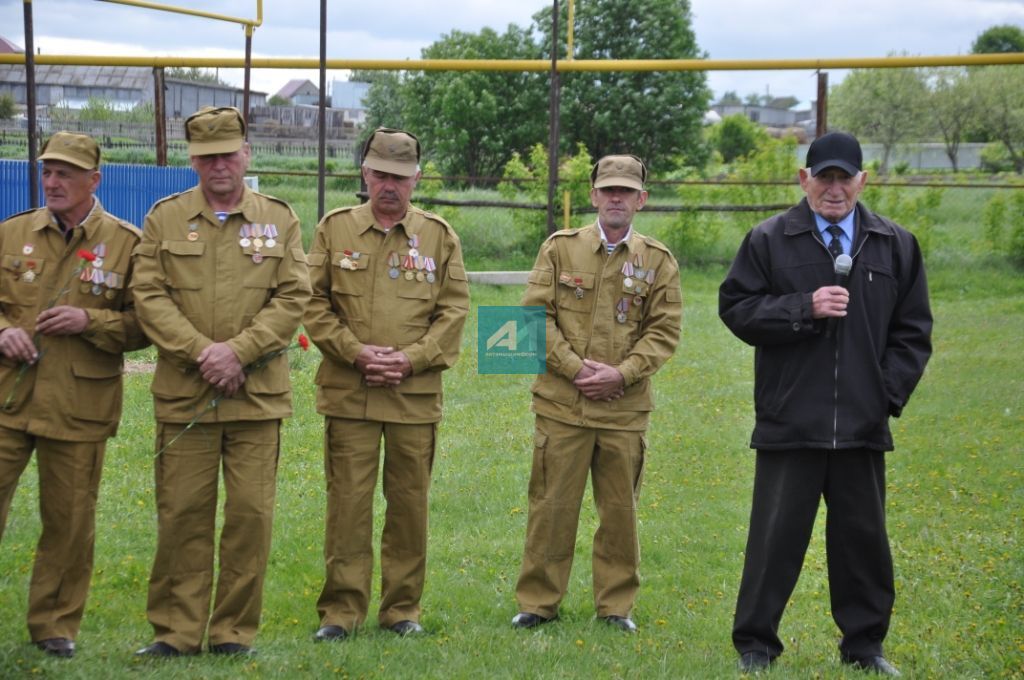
(885, 105)
(736, 137)
(470, 122)
(999, 92)
(655, 115)
(730, 98)
(999, 39)
(951, 108)
(383, 101)
(97, 110)
(195, 74)
(7, 106)
(277, 100)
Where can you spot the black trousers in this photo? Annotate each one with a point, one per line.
(787, 489)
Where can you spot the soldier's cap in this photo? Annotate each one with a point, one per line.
(393, 151)
(835, 150)
(212, 130)
(79, 150)
(619, 171)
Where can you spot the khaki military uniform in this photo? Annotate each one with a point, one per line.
(623, 310)
(68, 403)
(198, 282)
(367, 290)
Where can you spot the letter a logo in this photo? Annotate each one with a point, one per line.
(504, 337)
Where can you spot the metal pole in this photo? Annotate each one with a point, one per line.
(160, 116)
(30, 105)
(553, 105)
(248, 68)
(822, 104)
(320, 177)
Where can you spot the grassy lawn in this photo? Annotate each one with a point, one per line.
(955, 500)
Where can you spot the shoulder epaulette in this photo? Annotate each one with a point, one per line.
(171, 197)
(655, 243)
(23, 212)
(344, 208)
(125, 224)
(566, 232)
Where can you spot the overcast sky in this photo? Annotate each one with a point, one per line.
(399, 29)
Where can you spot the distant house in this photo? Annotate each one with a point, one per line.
(350, 97)
(7, 47)
(124, 87)
(300, 92)
(768, 115)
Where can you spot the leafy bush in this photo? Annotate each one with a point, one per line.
(995, 158)
(7, 106)
(736, 137)
(1002, 210)
(709, 236)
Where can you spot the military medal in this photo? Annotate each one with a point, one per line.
(257, 257)
(193, 236)
(393, 262)
(245, 232)
(414, 243)
(409, 275)
(430, 266)
(257, 242)
(421, 277)
(27, 249)
(28, 276)
(270, 231)
(637, 300)
(627, 269)
(346, 263)
(393, 272)
(627, 282)
(579, 290)
(650, 277)
(622, 307)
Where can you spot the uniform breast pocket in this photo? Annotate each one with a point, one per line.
(183, 263)
(260, 267)
(21, 280)
(575, 291)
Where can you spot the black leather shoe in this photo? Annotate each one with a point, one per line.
(233, 648)
(159, 649)
(754, 662)
(330, 634)
(62, 647)
(529, 620)
(875, 664)
(622, 622)
(404, 628)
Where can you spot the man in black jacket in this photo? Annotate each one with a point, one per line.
(835, 357)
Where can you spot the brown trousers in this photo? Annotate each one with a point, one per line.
(69, 480)
(351, 461)
(181, 583)
(562, 458)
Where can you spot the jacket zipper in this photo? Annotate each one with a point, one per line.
(835, 364)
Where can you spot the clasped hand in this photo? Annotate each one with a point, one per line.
(219, 366)
(383, 366)
(599, 382)
(16, 344)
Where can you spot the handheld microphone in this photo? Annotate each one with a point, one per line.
(842, 270)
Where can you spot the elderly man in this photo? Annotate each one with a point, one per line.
(220, 288)
(65, 321)
(390, 297)
(613, 309)
(834, 300)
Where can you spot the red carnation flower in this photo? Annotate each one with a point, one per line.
(87, 255)
(303, 342)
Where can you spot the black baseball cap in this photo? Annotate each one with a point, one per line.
(835, 150)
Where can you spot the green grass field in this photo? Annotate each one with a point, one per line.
(956, 502)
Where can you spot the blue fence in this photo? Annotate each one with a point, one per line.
(127, 191)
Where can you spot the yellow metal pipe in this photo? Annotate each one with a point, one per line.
(249, 23)
(591, 65)
(566, 210)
